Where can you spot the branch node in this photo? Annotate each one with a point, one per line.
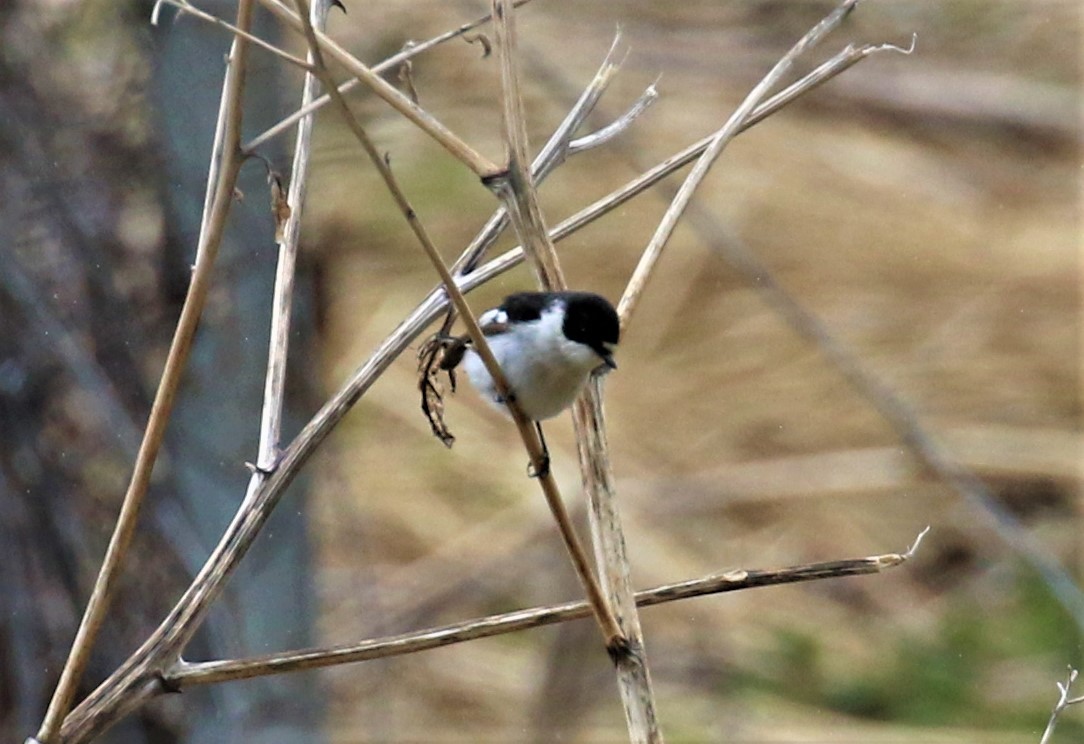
(496, 180)
(169, 686)
(266, 471)
(620, 650)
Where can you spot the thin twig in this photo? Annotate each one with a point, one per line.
(558, 148)
(94, 615)
(479, 164)
(282, 299)
(645, 268)
(1064, 701)
(188, 674)
(393, 61)
(186, 7)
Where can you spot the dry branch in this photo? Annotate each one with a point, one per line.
(516, 190)
(715, 146)
(414, 113)
(395, 60)
(162, 407)
(1064, 701)
(735, 580)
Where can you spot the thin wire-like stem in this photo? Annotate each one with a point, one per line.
(1064, 701)
(646, 267)
(208, 672)
(162, 407)
(282, 299)
(391, 62)
(479, 164)
(186, 7)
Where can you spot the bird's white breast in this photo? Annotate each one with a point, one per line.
(545, 369)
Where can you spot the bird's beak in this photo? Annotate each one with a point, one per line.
(608, 358)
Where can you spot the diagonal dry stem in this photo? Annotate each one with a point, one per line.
(186, 7)
(518, 193)
(283, 294)
(516, 190)
(167, 391)
(208, 672)
(391, 62)
(645, 268)
(425, 121)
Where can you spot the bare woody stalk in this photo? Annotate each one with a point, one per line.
(645, 268)
(209, 672)
(162, 407)
(516, 190)
(615, 574)
(527, 432)
(282, 299)
(521, 200)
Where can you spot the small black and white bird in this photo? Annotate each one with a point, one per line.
(547, 344)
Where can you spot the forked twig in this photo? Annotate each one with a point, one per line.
(649, 178)
(1064, 701)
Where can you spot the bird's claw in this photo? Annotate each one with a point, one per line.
(540, 472)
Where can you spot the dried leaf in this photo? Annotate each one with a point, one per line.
(430, 357)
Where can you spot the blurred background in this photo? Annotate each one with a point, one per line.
(925, 208)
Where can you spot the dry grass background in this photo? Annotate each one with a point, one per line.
(926, 208)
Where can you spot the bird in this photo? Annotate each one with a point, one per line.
(547, 344)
